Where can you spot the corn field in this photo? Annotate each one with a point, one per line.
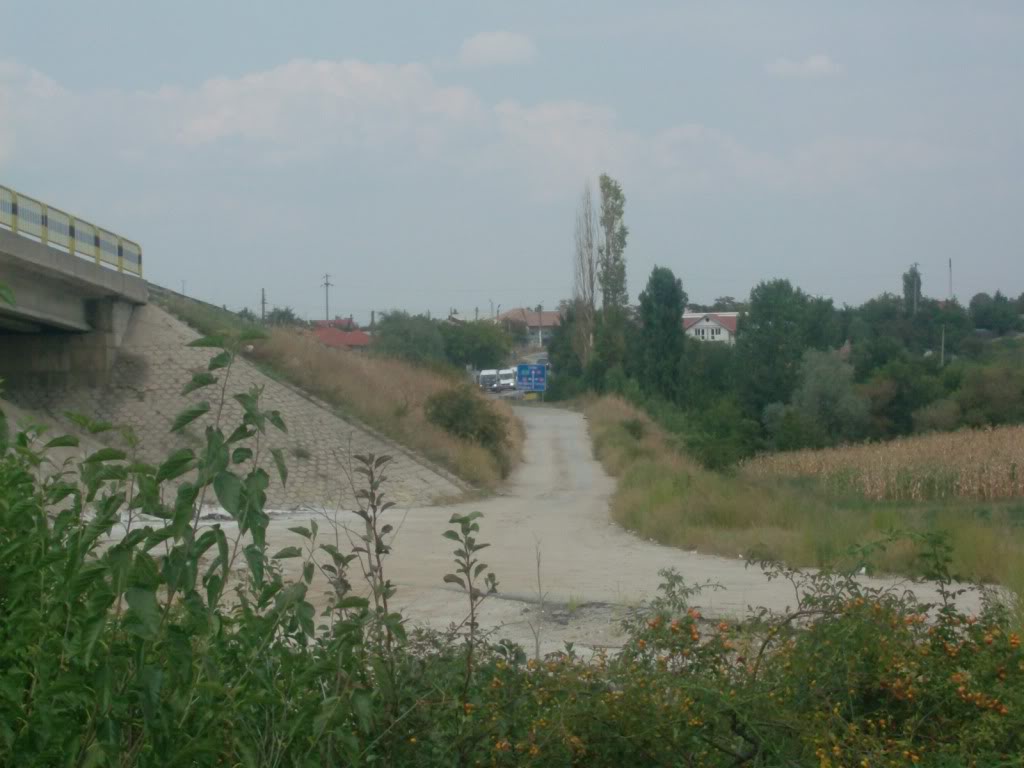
(971, 464)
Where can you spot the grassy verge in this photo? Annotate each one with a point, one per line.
(384, 393)
(665, 495)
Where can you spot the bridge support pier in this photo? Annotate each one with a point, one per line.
(54, 357)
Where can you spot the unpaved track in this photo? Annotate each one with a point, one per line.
(592, 570)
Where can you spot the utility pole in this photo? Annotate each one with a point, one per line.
(476, 314)
(327, 284)
(492, 308)
(263, 305)
(951, 279)
(182, 287)
(373, 319)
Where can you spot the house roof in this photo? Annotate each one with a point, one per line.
(532, 318)
(725, 319)
(332, 337)
(342, 323)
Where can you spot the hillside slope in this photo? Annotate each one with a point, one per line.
(144, 393)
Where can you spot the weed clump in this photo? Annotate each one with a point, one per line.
(462, 412)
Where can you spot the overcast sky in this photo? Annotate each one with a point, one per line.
(430, 155)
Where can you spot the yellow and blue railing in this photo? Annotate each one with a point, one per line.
(28, 217)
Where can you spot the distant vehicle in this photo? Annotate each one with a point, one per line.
(488, 380)
(506, 379)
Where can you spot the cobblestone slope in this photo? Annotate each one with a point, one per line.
(144, 392)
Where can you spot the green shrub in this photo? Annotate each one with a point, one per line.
(634, 427)
(462, 412)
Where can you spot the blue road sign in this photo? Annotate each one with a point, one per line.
(531, 378)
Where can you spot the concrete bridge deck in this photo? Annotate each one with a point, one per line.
(75, 287)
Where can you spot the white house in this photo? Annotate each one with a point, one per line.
(711, 326)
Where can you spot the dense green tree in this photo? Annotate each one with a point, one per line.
(661, 333)
(898, 389)
(612, 249)
(411, 337)
(991, 395)
(994, 313)
(610, 345)
(563, 352)
(283, 316)
(480, 344)
(788, 429)
(825, 396)
(781, 323)
(710, 373)
(722, 435)
(911, 290)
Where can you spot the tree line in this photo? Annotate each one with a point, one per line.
(803, 372)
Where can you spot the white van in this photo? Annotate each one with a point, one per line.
(488, 380)
(507, 378)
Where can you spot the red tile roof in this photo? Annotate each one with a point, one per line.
(727, 321)
(332, 337)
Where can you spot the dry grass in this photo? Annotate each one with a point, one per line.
(982, 465)
(664, 495)
(387, 395)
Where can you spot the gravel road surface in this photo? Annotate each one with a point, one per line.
(592, 571)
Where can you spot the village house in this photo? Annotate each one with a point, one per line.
(540, 325)
(341, 333)
(711, 326)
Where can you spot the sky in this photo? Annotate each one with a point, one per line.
(430, 156)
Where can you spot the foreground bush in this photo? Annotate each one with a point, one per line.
(128, 641)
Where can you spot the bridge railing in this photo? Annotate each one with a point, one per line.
(51, 226)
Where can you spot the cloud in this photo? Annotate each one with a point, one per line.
(489, 49)
(306, 114)
(313, 103)
(818, 65)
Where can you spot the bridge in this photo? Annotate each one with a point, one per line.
(75, 286)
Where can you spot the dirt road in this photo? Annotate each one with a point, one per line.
(591, 569)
